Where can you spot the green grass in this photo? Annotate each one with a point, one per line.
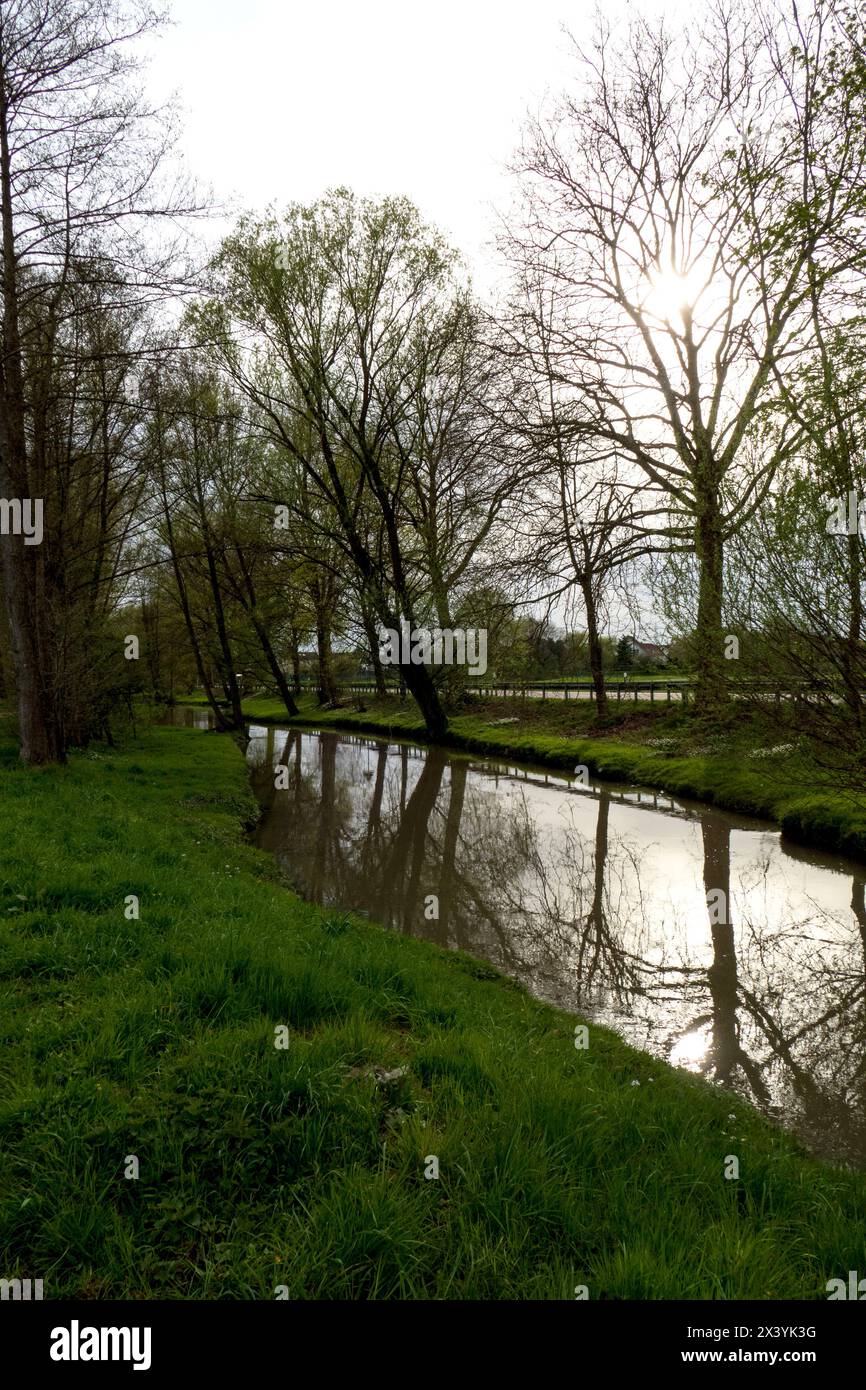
(262, 1167)
(658, 746)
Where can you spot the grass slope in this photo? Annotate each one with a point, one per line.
(263, 1167)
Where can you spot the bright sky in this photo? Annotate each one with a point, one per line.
(283, 100)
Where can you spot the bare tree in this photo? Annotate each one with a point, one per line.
(665, 208)
(592, 512)
(80, 155)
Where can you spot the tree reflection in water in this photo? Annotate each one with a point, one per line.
(597, 900)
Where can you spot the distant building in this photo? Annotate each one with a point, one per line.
(647, 653)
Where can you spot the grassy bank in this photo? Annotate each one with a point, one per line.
(261, 1167)
(741, 770)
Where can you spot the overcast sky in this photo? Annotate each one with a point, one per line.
(282, 100)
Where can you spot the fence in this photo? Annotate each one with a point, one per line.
(651, 688)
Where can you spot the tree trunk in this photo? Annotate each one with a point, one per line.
(426, 696)
(854, 663)
(229, 677)
(40, 740)
(246, 595)
(276, 669)
(295, 640)
(596, 659)
(220, 721)
(373, 644)
(327, 686)
(709, 636)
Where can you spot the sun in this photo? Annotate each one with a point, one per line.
(690, 1050)
(669, 292)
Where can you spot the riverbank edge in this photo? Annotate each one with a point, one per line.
(833, 823)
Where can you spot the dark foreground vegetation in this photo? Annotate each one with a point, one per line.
(303, 1168)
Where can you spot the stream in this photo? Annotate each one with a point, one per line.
(698, 936)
